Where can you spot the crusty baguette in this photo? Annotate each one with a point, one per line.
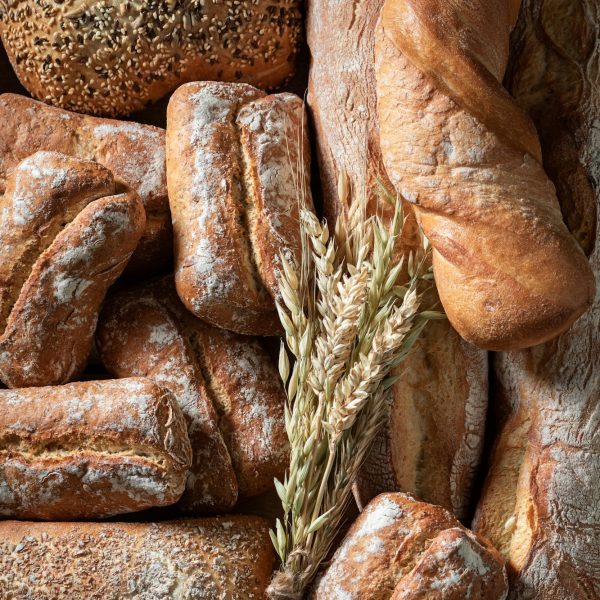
(134, 153)
(65, 238)
(90, 450)
(227, 558)
(139, 336)
(232, 372)
(117, 57)
(237, 162)
(430, 444)
(402, 549)
(455, 143)
(540, 502)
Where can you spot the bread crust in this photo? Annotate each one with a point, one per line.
(431, 441)
(116, 58)
(228, 558)
(508, 272)
(60, 255)
(399, 548)
(138, 335)
(233, 373)
(237, 162)
(134, 153)
(540, 505)
(90, 450)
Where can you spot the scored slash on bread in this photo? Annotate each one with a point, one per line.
(220, 380)
(134, 153)
(90, 450)
(67, 234)
(402, 549)
(205, 559)
(237, 163)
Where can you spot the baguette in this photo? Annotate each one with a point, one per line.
(117, 57)
(431, 441)
(401, 549)
(66, 236)
(539, 504)
(90, 450)
(455, 143)
(232, 373)
(238, 163)
(134, 153)
(226, 558)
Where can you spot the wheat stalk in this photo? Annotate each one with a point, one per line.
(351, 311)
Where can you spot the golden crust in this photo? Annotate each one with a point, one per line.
(116, 57)
(90, 450)
(60, 256)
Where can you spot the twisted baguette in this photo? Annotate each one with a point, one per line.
(456, 144)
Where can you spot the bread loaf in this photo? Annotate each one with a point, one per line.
(540, 503)
(402, 549)
(226, 558)
(139, 336)
(117, 57)
(90, 450)
(146, 330)
(238, 165)
(430, 444)
(65, 236)
(455, 143)
(134, 153)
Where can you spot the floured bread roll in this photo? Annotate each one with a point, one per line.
(401, 549)
(134, 153)
(226, 384)
(237, 161)
(66, 233)
(90, 450)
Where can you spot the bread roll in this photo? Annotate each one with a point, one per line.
(146, 330)
(540, 503)
(134, 153)
(431, 442)
(65, 237)
(226, 558)
(117, 57)
(238, 167)
(402, 549)
(90, 450)
(139, 336)
(508, 271)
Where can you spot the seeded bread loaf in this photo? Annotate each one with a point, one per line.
(116, 57)
(401, 549)
(66, 235)
(146, 330)
(431, 441)
(540, 503)
(227, 558)
(237, 161)
(90, 450)
(134, 153)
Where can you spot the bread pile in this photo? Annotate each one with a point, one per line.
(139, 280)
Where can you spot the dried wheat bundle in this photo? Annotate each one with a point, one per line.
(351, 312)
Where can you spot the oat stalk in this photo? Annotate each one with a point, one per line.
(351, 311)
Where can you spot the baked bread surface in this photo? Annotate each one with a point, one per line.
(90, 450)
(113, 58)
